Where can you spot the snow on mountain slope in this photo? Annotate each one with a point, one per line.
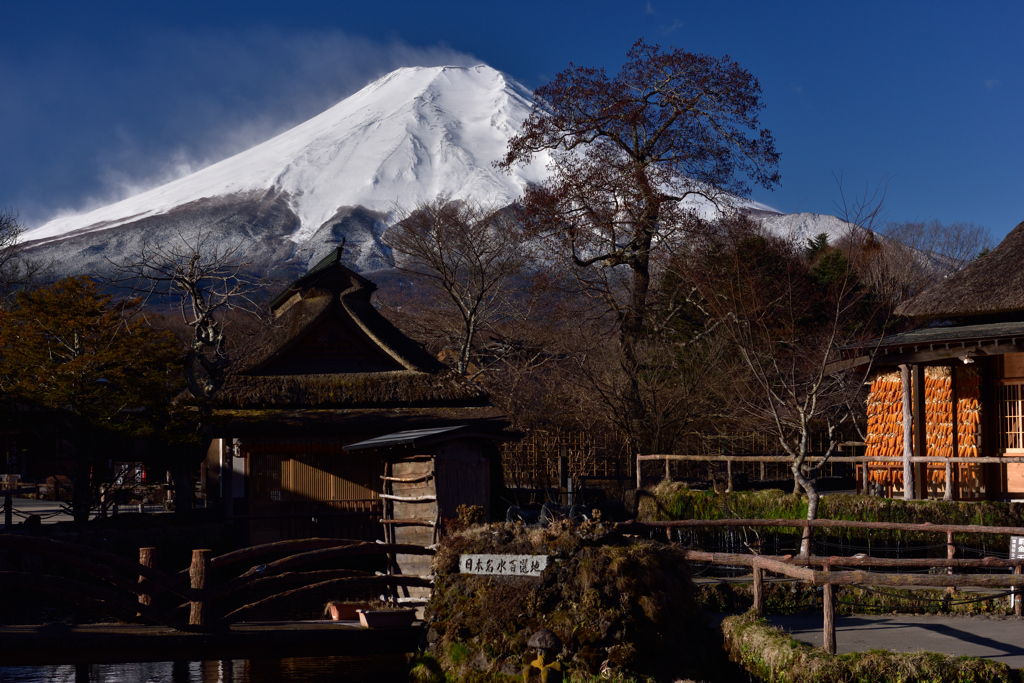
(401, 140)
(343, 175)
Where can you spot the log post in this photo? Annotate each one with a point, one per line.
(758, 591)
(728, 476)
(146, 557)
(198, 573)
(8, 510)
(950, 554)
(1017, 603)
(828, 599)
(668, 472)
(762, 470)
(908, 435)
(639, 481)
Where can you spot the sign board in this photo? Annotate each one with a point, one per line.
(1017, 547)
(503, 565)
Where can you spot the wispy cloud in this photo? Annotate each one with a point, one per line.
(197, 98)
(648, 9)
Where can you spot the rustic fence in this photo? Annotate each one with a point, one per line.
(863, 462)
(133, 586)
(830, 575)
(532, 462)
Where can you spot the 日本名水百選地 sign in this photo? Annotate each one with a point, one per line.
(503, 565)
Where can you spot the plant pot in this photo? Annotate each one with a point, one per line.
(391, 618)
(346, 611)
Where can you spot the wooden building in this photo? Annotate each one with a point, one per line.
(962, 372)
(332, 372)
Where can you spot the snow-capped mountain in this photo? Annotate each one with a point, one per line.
(346, 173)
(400, 141)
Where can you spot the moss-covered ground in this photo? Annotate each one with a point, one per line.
(774, 657)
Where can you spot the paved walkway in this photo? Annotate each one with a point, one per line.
(1000, 639)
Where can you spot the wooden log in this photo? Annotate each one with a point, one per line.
(408, 480)
(198, 573)
(813, 561)
(908, 435)
(278, 547)
(855, 578)
(639, 473)
(408, 499)
(950, 551)
(146, 558)
(827, 523)
(784, 568)
(828, 603)
(759, 591)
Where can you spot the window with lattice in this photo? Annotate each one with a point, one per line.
(1011, 416)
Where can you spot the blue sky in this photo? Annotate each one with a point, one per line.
(101, 99)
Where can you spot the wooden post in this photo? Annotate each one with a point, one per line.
(1017, 603)
(950, 553)
(920, 433)
(668, 472)
(758, 591)
(951, 474)
(908, 435)
(198, 572)
(638, 473)
(8, 510)
(830, 615)
(762, 470)
(146, 557)
(728, 476)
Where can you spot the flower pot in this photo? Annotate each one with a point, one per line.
(346, 611)
(392, 618)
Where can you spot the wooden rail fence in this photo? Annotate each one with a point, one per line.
(863, 460)
(137, 584)
(829, 576)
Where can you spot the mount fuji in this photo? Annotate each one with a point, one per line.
(344, 174)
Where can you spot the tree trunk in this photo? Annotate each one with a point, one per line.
(809, 486)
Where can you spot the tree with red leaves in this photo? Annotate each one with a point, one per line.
(625, 155)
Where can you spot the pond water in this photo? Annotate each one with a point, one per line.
(298, 669)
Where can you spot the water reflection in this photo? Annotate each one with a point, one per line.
(298, 669)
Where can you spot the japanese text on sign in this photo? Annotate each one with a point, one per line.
(503, 565)
(1017, 547)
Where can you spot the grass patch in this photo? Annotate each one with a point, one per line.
(774, 657)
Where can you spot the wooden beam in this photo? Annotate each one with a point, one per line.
(908, 426)
(920, 431)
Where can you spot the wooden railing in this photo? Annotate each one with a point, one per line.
(828, 577)
(820, 458)
(137, 584)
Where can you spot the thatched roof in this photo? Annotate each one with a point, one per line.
(329, 347)
(332, 421)
(991, 285)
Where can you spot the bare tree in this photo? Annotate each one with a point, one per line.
(204, 282)
(15, 271)
(787, 311)
(468, 253)
(625, 152)
(207, 284)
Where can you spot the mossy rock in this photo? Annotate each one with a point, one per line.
(622, 605)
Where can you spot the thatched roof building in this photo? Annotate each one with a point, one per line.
(990, 286)
(962, 373)
(331, 357)
(333, 372)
